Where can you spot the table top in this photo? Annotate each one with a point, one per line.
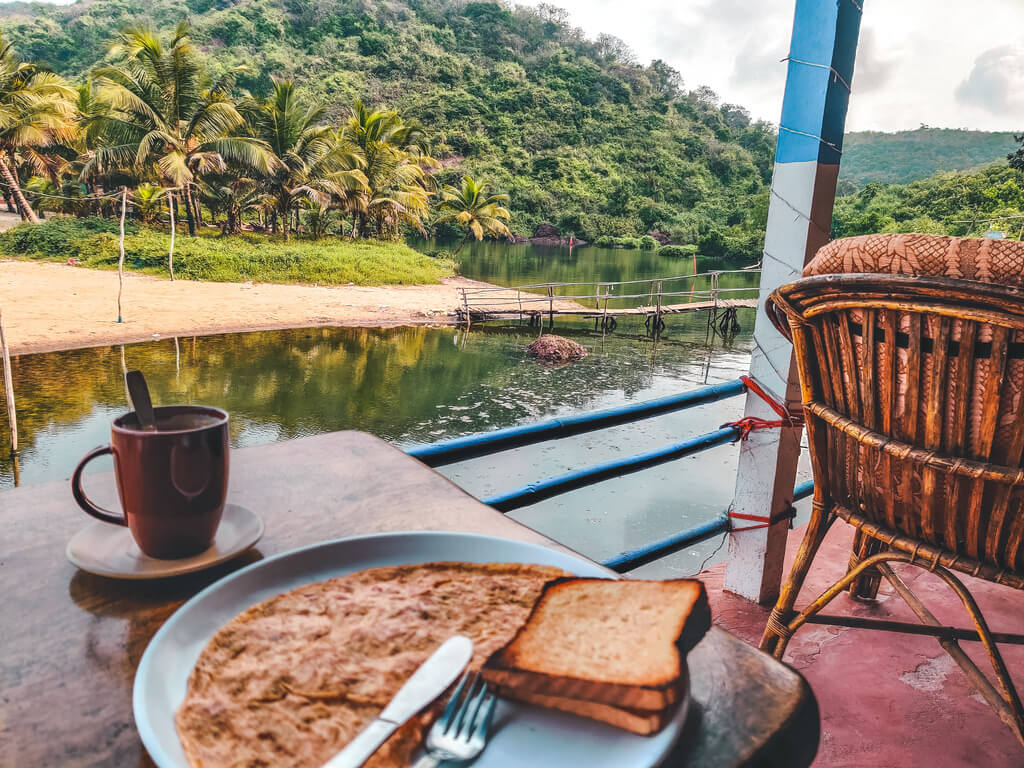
(72, 641)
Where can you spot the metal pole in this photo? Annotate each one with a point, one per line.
(495, 441)
(580, 478)
(551, 306)
(120, 258)
(12, 418)
(170, 251)
(799, 222)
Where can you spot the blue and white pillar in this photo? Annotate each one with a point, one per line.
(807, 155)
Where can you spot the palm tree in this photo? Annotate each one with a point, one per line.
(149, 201)
(313, 161)
(36, 111)
(397, 169)
(234, 200)
(471, 207)
(165, 115)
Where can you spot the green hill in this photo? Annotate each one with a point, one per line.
(578, 132)
(961, 204)
(905, 156)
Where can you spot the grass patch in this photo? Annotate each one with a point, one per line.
(237, 258)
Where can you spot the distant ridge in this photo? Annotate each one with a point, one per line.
(905, 156)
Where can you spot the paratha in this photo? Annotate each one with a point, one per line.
(293, 679)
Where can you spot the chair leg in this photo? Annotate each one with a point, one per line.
(866, 585)
(777, 633)
(1006, 701)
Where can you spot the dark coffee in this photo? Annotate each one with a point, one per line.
(172, 481)
(172, 422)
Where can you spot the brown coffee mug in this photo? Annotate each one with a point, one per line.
(172, 482)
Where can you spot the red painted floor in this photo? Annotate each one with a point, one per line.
(889, 700)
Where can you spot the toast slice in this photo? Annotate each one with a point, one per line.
(614, 642)
(640, 721)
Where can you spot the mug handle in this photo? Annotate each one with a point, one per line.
(83, 501)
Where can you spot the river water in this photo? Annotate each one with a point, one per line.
(417, 385)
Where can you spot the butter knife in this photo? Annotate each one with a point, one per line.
(426, 684)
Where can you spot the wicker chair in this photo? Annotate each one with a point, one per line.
(911, 392)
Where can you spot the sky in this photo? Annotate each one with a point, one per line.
(944, 63)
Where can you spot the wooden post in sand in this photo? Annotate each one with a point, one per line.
(9, 388)
(120, 258)
(170, 253)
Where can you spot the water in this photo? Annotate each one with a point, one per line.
(520, 264)
(416, 385)
(420, 385)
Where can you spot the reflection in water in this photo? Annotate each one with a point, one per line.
(410, 385)
(521, 264)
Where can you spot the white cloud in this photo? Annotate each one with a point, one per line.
(915, 56)
(996, 83)
(941, 62)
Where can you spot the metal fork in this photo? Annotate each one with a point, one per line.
(460, 733)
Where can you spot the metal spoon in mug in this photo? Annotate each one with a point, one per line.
(139, 393)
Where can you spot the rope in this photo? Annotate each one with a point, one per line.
(826, 142)
(833, 70)
(762, 521)
(748, 424)
(79, 199)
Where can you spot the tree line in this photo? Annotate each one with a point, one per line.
(582, 134)
(154, 120)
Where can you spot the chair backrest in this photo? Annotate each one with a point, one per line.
(912, 392)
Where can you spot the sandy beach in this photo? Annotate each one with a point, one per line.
(50, 306)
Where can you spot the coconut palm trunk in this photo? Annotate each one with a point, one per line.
(12, 184)
(189, 215)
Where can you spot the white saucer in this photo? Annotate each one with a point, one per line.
(109, 550)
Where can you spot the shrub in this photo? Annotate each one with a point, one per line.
(605, 241)
(59, 238)
(237, 258)
(648, 243)
(678, 250)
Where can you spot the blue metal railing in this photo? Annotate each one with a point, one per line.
(473, 446)
(634, 558)
(568, 481)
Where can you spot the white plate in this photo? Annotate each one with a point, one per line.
(109, 550)
(524, 736)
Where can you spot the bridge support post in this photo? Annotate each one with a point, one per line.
(821, 59)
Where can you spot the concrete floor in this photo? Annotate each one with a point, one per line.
(890, 700)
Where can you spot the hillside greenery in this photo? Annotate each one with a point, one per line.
(92, 242)
(906, 156)
(960, 204)
(576, 132)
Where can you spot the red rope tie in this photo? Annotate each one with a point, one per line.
(763, 522)
(748, 424)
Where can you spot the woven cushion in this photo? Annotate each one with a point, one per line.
(975, 258)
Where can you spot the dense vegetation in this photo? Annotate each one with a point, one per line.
(576, 132)
(93, 243)
(962, 204)
(905, 156)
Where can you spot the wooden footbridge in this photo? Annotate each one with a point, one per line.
(652, 300)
